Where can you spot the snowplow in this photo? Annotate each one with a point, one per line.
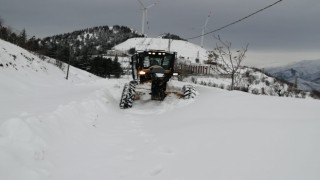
(151, 70)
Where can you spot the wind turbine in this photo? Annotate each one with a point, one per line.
(203, 29)
(144, 13)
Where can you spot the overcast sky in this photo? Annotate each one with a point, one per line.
(286, 32)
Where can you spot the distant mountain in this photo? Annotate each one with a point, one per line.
(185, 50)
(307, 74)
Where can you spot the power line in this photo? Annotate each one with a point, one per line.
(236, 21)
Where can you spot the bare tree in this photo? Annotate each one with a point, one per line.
(227, 61)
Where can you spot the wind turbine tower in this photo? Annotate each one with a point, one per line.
(203, 29)
(144, 13)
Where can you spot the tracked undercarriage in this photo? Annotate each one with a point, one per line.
(151, 70)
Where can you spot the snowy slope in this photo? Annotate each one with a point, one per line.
(65, 130)
(183, 48)
(307, 72)
(27, 78)
(253, 81)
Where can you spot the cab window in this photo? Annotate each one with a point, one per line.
(146, 61)
(166, 62)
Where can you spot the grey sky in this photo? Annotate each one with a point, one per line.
(286, 32)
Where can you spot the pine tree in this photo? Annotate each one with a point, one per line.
(4, 33)
(22, 39)
(108, 67)
(131, 51)
(116, 67)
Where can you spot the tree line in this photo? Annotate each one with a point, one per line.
(100, 66)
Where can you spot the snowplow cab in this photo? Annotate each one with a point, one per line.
(153, 64)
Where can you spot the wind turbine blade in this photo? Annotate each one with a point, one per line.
(207, 19)
(141, 4)
(204, 28)
(151, 5)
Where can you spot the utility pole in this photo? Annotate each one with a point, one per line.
(169, 45)
(198, 58)
(69, 63)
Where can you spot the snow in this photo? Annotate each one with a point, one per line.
(57, 129)
(183, 48)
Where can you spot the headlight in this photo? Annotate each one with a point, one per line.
(142, 73)
(175, 74)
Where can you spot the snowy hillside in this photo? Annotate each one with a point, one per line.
(183, 48)
(54, 129)
(254, 81)
(307, 73)
(27, 80)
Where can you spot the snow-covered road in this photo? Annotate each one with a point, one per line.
(55, 129)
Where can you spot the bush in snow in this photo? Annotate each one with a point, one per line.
(247, 74)
(194, 80)
(221, 86)
(267, 83)
(214, 85)
(255, 91)
(315, 94)
(263, 91)
(242, 88)
(251, 79)
(203, 83)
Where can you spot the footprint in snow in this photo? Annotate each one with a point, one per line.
(157, 170)
(165, 151)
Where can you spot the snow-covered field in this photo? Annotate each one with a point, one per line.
(57, 129)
